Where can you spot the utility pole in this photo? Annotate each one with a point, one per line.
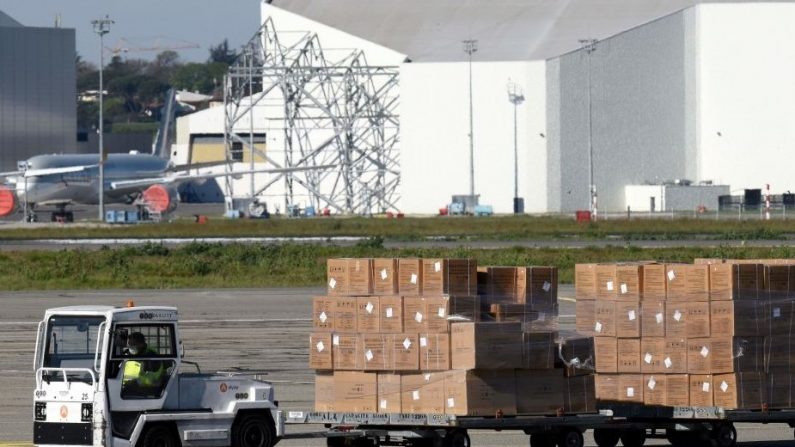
(101, 27)
(515, 97)
(470, 47)
(589, 46)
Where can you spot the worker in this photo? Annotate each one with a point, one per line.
(142, 378)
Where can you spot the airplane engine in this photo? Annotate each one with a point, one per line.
(8, 201)
(159, 198)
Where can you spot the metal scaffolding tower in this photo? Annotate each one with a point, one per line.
(337, 116)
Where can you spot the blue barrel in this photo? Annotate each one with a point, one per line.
(110, 216)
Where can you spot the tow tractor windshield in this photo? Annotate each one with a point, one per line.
(71, 342)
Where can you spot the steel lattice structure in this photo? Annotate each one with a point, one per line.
(339, 121)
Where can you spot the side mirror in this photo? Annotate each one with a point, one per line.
(181, 350)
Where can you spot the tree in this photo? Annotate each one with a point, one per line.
(222, 53)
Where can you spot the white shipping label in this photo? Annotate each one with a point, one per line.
(631, 315)
(597, 327)
(547, 286)
(415, 395)
(705, 387)
(389, 312)
(437, 266)
(332, 283)
(677, 315)
(659, 317)
(704, 352)
(369, 308)
(414, 278)
(724, 386)
(323, 317)
(384, 274)
(423, 342)
(427, 377)
(368, 355)
(335, 340)
(609, 285)
(575, 361)
(441, 312)
(668, 362)
(320, 346)
(630, 391)
(624, 289)
(671, 275)
(450, 402)
(383, 404)
(652, 383)
(418, 317)
(647, 358)
(776, 312)
(406, 344)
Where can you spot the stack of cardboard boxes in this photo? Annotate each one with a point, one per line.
(704, 334)
(413, 336)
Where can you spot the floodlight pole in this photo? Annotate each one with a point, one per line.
(471, 46)
(515, 97)
(589, 46)
(101, 27)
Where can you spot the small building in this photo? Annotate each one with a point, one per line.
(677, 196)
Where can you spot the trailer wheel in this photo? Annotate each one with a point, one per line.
(633, 437)
(684, 438)
(336, 441)
(457, 438)
(542, 439)
(253, 430)
(606, 437)
(159, 436)
(724, 435)
(570, 437)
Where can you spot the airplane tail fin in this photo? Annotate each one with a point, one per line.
(166, 132)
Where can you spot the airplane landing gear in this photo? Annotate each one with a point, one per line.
(62, 216)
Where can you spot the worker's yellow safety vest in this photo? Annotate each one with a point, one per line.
(132, 371)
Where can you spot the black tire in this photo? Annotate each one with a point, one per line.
(335, 442)
(633, 437)
(570, 437)
(253, 430)
(724, 435)
(159, 436)
(606, 437)
(683, 438)
(457, 438)
(542, 440)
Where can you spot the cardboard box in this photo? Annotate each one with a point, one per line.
(539, 350)
(391, 314)
(676, 319)
(631, 388)
(415, 314)
(378, 352)
(776, 316)
(677, 390)
(606, 386)
(654, 282)
(606, 282)
(604, 319)
(480, 393)
(737, 354)
(410, 276)
(628, 355)
(606, 350)
(743, 390)
(355, 392)
(513, 312)
(687, 282)
(347, 352)
(323, 308)
(486, 346)
(652, 319)
(778, 353)
(697, 320)
(324, 391)
(389, 393)
(449, 276)
(779, 389)
(576, 352)
(368, 315)
(779, 281)
(699, 356)
(406, 352)
(655, 389)
(500, 285)
(675, 356)
(652, 353)
(585, 317)
(423, 393)
(579, 395)
(628, 317)
(539, 287)
(320, 356)
(740, 318)
(441, 310)
(385, 276)
(629, 278)
(701, 390)
(337, 276)
(736, 281)
(345, 314)
(349, 277)
(434, 352)
(539, 392)
(585, 281)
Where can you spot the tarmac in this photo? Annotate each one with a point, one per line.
(262, 329)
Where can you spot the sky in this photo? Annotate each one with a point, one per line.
(202, 22)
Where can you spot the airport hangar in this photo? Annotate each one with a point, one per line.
(678, 90)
